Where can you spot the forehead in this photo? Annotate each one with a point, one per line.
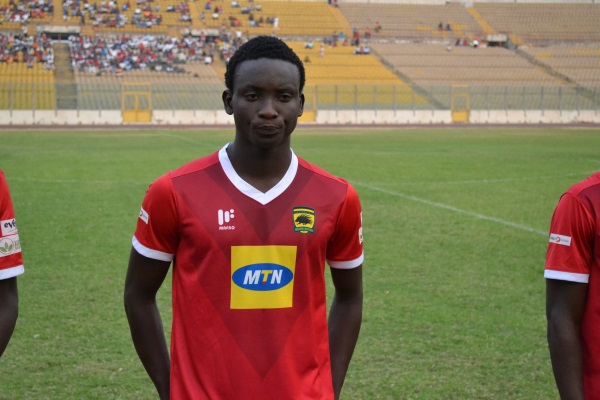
(266, 72)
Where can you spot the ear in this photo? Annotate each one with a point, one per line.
(227, 98)
(301, 106)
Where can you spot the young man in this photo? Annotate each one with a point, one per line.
(572, 294)
(249, 229)
(11, 265)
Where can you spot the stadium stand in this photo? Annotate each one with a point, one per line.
(26, 72)
(412, 21)
(283, 18)
(431, 64)
(410, 48)
(346, 76)
(26, 88)
(543, 23)
(14, 13)
(170, 65)
(340, 65)
(578, 62)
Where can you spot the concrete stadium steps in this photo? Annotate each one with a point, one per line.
(343, 78)
(412, 21)
(435, 65)
(580, 63)
(544, 23)
(66, 91)
(57, 18)
(487, 29)
(340, 65)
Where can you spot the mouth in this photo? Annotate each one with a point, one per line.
(267, 129)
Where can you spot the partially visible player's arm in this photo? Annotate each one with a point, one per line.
(9, 310)
(144, 278)
(345, 318)
(565, 302)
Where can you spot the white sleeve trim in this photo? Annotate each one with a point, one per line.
(150, 253)
(347, 264)
(12, 272)
(566, 276)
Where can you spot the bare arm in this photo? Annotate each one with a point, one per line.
(9, 310)
(565, 303)
(345, 318)
(144, 278)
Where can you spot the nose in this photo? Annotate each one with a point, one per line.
(267, 108)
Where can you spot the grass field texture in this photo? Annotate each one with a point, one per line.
(455, 226)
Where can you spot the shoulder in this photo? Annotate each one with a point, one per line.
(195, 165)
(590, 183)
(586, 192)
(321, 172)
(333, 182)
(164, 183)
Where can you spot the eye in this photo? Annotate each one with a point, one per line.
(251, 96)
(285, 97)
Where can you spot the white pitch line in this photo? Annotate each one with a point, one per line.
(507, 180)
(451, 208)
(185, 139)
(74, 181)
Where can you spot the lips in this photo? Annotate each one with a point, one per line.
(267, 129)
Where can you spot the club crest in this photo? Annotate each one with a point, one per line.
(304, 219)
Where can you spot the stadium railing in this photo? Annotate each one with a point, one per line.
(373, 102)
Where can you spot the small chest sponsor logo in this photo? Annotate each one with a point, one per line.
(224, 218)
(560, 239)
(8, 227)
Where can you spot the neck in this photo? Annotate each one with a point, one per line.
(262, 168)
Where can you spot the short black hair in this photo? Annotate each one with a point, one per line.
(263, 47)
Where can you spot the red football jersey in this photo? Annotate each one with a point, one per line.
(11, 259)
(249, 305)
(574, 255)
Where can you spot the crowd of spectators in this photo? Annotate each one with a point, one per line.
(26, 49)
(111, 13)
(101, 55)
(23, 11)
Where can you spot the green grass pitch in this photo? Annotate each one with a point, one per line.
(455, 227)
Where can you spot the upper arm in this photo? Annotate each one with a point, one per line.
(144, 276)
(347, 283)
(8, 293)
(565, 300)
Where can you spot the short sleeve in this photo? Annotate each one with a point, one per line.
(345, 250)
(11, 259)
(569, 253)
(157, 232)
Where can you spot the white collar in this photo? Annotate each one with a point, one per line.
(251, 191)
